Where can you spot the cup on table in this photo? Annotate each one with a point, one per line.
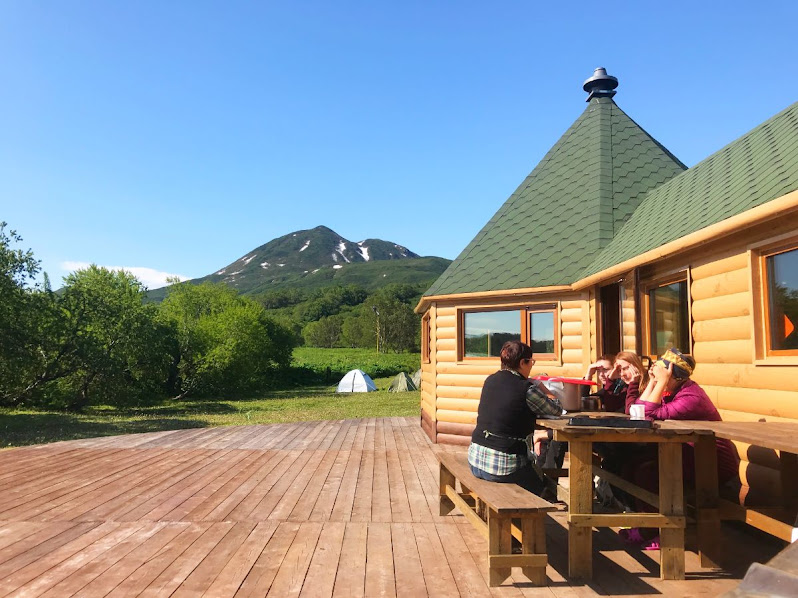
(637, 411)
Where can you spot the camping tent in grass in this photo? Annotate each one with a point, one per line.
(356, 381)
(402, 383)
(417, 378)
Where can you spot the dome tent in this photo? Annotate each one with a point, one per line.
(417, 378)
(356, 381)
(402, 383)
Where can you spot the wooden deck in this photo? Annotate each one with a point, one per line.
(338, 508)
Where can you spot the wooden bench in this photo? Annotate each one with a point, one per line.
(499, 512)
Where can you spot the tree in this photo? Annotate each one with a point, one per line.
(399, 326)
(19, 316)
(324, 333)
(110, 348)
(225, 343)
(356, 330)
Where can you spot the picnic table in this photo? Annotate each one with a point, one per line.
(670, 500)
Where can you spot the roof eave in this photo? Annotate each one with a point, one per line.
(425, 301)
(776, 208)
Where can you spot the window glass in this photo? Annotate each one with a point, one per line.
(782, 281)
(541, 331)
(670, 325)
(487, 331)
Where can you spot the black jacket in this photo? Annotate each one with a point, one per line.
(504, 413)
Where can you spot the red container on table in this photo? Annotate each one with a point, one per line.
(567, 390)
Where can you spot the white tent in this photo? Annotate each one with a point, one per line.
(356, 381)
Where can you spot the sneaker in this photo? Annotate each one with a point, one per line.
(652, 544)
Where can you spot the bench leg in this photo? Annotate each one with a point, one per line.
(446, 479)
(533, 532)
(499, 543)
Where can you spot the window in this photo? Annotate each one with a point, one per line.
(668, 318)
(540, 334)
(781, 302)
(483, 332)
(425, 338)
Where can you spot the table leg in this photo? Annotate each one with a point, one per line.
(671, 502)
(789, 486)
(706, 501)
(580, 538)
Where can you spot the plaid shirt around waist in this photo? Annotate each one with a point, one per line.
(495, 462)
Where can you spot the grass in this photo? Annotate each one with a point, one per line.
(20, 427)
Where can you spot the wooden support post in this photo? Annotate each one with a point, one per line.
(580, 538)
(534, 542)
(446, 479)
(499, 543)
(706, 501)
(671, 503)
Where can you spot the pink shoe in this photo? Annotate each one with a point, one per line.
(653, 544)
(632, 536)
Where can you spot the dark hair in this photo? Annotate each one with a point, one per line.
(513, 352)
(607, 357)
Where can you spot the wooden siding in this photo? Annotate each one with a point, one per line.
(724, 349)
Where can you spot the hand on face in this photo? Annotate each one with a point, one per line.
(660, 373)
(629, 373)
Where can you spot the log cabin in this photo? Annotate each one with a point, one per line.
(611, 244)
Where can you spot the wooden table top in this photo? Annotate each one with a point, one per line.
(782, 436)
(619, 434)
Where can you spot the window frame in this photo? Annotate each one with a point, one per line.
(426, 338)
(524, 310)
(646, 287)
(763, 344)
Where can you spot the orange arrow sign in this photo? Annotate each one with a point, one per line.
(788, 327)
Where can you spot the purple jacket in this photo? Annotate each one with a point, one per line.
(691, 402)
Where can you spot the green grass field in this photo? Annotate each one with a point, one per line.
(310, 403)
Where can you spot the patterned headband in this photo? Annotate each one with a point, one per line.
(677, 360)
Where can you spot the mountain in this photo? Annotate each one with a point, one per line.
(321, 257)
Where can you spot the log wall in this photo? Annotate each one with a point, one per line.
(724, 349)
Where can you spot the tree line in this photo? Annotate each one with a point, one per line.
(98, 341)
(348, 316)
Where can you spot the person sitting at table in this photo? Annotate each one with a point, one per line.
(624, 380)
(670, 394)
(550, 454)
(508, 407)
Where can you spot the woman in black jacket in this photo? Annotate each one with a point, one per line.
(508, 407)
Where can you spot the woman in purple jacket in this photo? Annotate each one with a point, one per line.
(670, 394)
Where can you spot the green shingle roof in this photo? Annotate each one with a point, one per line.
(760, 166)
(569, 207)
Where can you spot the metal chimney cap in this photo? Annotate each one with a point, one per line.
(600, 85)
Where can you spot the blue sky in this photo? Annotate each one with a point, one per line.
(174, 137)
